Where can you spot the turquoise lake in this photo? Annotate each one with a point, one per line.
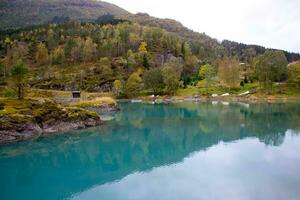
(165, 151)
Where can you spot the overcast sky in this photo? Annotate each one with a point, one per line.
(271, 23)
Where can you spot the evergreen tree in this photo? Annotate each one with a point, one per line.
(18, 73)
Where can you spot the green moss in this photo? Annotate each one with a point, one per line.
(75, 113)
(14, 121)
(96, 102)
(16, 113)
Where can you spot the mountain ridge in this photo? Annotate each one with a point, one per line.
(37, 12)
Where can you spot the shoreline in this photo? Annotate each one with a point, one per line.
(29, 128)
(32, 130)
(196, 98)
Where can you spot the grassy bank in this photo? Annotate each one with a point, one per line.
(284, 94)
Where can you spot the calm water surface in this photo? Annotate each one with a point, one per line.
(176, 151)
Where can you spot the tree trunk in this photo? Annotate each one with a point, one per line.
(19, 92)
(22, 92)
(206, 88)
(4, 72)
(271, 83)
(280, 88)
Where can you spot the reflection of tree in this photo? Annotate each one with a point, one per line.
(142, 137)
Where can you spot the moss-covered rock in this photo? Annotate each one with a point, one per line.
(22, 119)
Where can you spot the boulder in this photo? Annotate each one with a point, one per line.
(225, 95)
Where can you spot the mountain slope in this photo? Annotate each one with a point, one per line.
(16, 14)
(210, 47)
(23, 13)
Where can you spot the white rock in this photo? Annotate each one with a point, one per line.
(106, 117)
(224, 95)
(214, 95)
(244, 93)
(136, 101)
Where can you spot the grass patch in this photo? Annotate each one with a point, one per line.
(95, 102)
(188, 92)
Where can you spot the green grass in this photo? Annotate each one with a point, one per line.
(188, 92)
(14, 112)
(95, 102)
(287, 90)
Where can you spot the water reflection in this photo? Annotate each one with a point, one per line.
(145, 138)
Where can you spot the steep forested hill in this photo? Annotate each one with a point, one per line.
(23, 13)
(16, 14)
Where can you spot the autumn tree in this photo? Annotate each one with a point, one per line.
(190, 69)
(143, 47)
(229, 72)
(15, 52)
(248, 55)
(51, 40)
(58, 55)
(89, 50)
(207, 72)
(18, 73)
(171, 73)
(41, 55)
(133, 84)
(117, 87)
(143, 55)
(153, 80)
(69, 45)
(294, 74)
(271, 67)
(76, 51)
(131, 63)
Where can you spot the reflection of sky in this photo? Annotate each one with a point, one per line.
(245, 169)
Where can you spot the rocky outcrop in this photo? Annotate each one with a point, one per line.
(25, 119)
(104, 108)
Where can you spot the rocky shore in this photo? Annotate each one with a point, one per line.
(249, 98)
(29, 118)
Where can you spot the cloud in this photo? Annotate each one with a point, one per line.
(271, 23)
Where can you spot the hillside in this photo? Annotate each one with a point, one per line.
(16, 14)
(98, 47)
(24, 13)
(201, 43)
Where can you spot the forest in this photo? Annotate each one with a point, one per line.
(129, 59)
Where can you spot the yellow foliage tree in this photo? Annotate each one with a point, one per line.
(229, 72)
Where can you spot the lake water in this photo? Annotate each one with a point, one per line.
(176, 151)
